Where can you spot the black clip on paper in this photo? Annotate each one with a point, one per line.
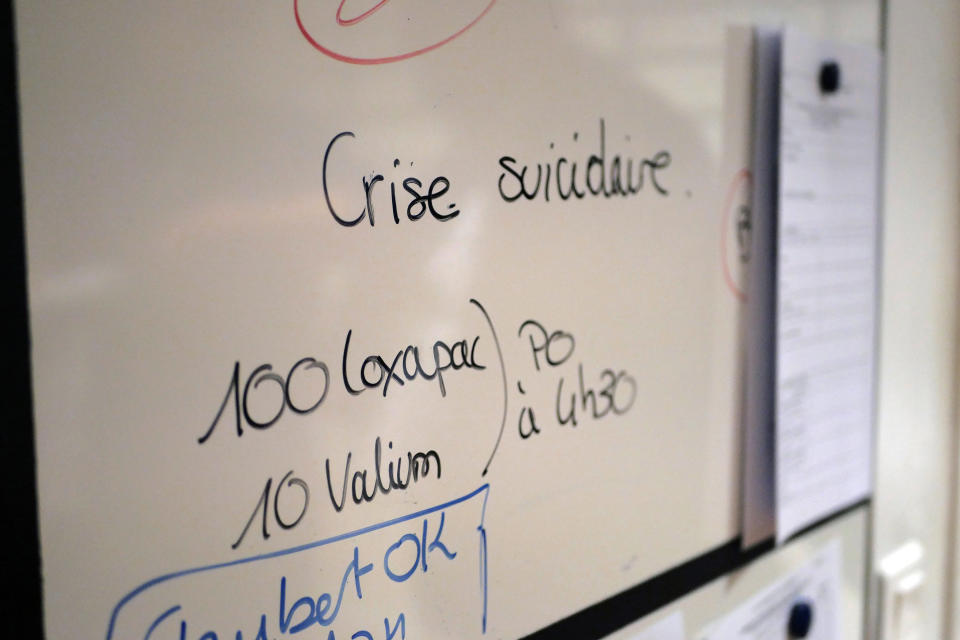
(801, 620)
(829, 77)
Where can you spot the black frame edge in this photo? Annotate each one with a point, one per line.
(23, 601)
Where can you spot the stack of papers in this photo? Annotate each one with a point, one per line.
(813, 283)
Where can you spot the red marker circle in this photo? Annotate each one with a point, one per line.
(742, 177)
(343, 22)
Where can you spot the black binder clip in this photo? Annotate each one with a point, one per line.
(829, 77)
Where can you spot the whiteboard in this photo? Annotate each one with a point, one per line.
(314, 353)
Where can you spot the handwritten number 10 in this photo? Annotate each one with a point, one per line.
(262, 504)
(265, 374)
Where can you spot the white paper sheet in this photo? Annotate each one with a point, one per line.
(758, 519)
(765, 616)
(670, 628)
(826, 281)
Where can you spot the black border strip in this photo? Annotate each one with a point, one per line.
(621, 609)
(824, 520)
(23, 601)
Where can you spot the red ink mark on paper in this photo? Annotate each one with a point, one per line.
(742, 177)
(344, 22)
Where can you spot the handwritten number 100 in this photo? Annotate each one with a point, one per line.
(265, 374)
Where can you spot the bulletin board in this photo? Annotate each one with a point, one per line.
(381, 318)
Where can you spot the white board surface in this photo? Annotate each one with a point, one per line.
(183, 163)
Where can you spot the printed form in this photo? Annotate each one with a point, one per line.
(826, 278)
(670, 628)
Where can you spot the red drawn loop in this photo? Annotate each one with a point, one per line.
(346, 22)
(377, 60)
(742, 177)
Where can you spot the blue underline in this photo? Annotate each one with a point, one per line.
(285, 552)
